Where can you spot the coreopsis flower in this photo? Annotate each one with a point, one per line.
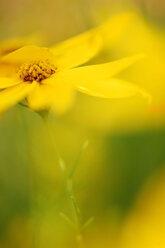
(48, 78)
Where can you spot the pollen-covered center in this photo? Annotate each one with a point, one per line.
(36, 71)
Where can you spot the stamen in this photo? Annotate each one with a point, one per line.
(36, 71)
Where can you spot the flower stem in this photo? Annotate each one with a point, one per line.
(68, 183)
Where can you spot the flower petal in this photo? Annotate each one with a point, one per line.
(90, 74)
(27, 54)
(78, 50)
(12, 44)
(13, 95)
(7, 70)
(63, 98)
(113, 88)
(96, 80)
(52, 93)
(6, 82)
(40, 97)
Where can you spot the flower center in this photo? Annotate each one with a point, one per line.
(36, 71)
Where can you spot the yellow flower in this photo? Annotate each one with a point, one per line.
(47, 78)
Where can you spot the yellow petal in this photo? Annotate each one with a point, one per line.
(91, 74)
(7, 70)
(40, 97)
(12, 44)
(14, 94)
(63, 94)
(78, 50)
(63, 98)
(112, 88)
(52, 93)
(6, 82)
(27, 54)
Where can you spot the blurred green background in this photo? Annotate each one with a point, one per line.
(126, 144)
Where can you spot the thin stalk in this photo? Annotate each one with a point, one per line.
(68, 184)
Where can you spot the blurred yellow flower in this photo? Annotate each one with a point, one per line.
(48, 77)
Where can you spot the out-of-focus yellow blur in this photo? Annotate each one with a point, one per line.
(144, 227)
(119, 180)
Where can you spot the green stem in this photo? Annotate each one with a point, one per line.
(68, 184)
